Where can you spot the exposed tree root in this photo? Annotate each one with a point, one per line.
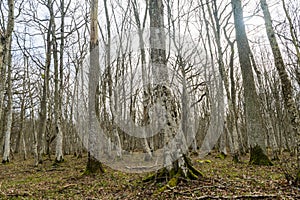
(173, 176)
(93, 166)
(5, 161)
(60, 160)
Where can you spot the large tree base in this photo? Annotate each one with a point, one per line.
(258, 157)
(93, 166)
(176, 174)
(60, 159)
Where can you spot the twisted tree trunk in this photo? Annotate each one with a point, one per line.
(176, 163)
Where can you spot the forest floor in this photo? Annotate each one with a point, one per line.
(223, 180)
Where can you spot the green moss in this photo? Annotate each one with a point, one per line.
(173, 176)
(93, 166)
(258, 157)
(162, 173)
(222, 156)
(203, 161)
(297, 180)
(149, 178)
(173, 182)
(192, 175)
(160, 190)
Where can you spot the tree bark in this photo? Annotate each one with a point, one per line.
(57, 88)
(93, 165)
(176, 163)
(252, 106)
(5, 61)
(140, 28)
(233, 134)
(6, 152)
(44, 99)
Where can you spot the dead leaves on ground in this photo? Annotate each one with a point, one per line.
(223, 180)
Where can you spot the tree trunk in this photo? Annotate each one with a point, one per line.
(176, 163)
(5, 61)
(6, 152)
(147, 148)
(44, 99)
(252, 106)
(2, 74)
(93, 165)
(233, 134)
(21, 137)
(57, 90)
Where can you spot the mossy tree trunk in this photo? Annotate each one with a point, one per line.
(258, 157)
(93, 166)
(252, 105)
(176, 163)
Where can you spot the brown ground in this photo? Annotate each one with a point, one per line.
(224, 180)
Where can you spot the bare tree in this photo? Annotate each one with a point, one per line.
(251, 102)
(93, 165)
(58, 75)
(176, 163)
(5, 61)
(286, 85)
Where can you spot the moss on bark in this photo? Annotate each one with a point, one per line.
(258, 157)
(93, 166)
(173, 176)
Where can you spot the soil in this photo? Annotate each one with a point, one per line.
(223, 179)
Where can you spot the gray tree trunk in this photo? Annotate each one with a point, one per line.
(6, 152)
(93, 165)
(40, 142)
(176, 163)
(5, 61)
(57, 90)
(256, 136)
